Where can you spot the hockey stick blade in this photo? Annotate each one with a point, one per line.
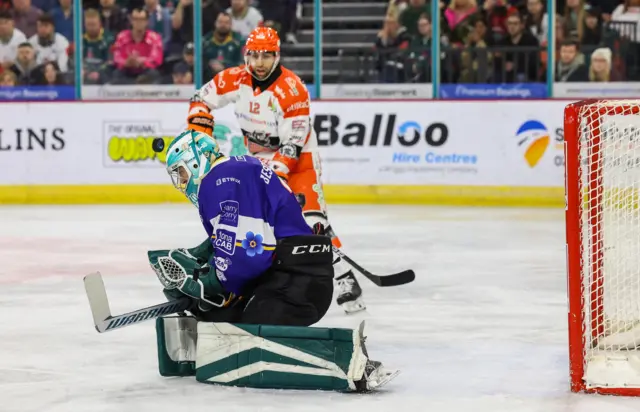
(396, 279)
(102, 319)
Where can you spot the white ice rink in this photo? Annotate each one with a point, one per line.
(483, 327)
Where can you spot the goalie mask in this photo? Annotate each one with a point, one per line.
(190, 157)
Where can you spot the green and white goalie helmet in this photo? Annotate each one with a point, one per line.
(190, 157)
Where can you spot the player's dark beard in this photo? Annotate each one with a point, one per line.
(263, 84)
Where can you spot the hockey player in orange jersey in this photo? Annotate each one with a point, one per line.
(272, 109)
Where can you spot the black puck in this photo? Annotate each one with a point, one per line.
(158, 145)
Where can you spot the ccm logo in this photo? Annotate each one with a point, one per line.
(299, 250)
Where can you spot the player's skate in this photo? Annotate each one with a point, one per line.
(375, 375)
(349, 293)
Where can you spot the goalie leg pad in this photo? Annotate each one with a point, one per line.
(283, 357)
(176, 340)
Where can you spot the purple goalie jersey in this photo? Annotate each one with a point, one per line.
(245, 209)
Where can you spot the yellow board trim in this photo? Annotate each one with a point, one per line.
(380, 194)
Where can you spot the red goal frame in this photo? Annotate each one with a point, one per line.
(575, 195)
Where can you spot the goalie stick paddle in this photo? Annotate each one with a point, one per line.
(396, 279)
(104, 322)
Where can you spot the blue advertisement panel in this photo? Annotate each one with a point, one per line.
(37, 93)
(494, 91)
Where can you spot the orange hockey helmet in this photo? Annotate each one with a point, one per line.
(261, 40)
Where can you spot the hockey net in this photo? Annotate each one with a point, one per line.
(602, 171)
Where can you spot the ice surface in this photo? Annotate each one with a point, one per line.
(483, 327)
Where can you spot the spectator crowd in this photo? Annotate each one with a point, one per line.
(129, 41)
(505, 41)
(481, 41)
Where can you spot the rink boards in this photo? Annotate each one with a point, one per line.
(425, 152)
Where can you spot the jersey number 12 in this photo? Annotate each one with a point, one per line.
(254, 107)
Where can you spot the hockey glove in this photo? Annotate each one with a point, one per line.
(201, 122)
(182, 274)
(203, 252)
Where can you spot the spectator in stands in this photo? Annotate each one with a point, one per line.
(8, 79)
(245, 17)
(600, 69)
(494, 13)
(625, 20)
(595, 32)
(289, 25)
(63, 19)
(571, 67)
(391, 43)
(412, 13)
(114, 18)
(96, 49)
(25, 67)
(419, 51)
(536, 20)
(460, 17)
(574, 14)
(221, 49)
(592, 32)
(606, 7)
(137, 52)
(10, 39)
(25, 16)
(281, 16)
(521, 57)
(272, 12)
(159, 19)
(51, 76)
(49, 45)
(188, 59)
(476, 58)
(182, 22)
(627, 15)
(182, 74)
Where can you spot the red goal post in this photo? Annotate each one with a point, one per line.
(602, 183)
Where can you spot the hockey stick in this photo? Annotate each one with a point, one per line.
(104, 322)
(396, 279)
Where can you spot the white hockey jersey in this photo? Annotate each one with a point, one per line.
(275, 122)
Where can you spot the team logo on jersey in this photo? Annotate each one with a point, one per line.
(279, 92)
(293, 86)
(253, 244)
(271, 105)
(229, 210)
(225, 241)
(289, 150)
(222, 263)
(221, 276)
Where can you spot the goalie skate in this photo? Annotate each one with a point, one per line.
(375, 375)
(349, 293)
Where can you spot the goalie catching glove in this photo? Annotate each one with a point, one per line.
(183, 274)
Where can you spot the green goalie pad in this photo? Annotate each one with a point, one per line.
(278, 357)
(176, 341)
(261, 356)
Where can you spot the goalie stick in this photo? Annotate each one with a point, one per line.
(105, 322)
(396, 279)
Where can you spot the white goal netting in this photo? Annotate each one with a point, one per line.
(609, 151)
